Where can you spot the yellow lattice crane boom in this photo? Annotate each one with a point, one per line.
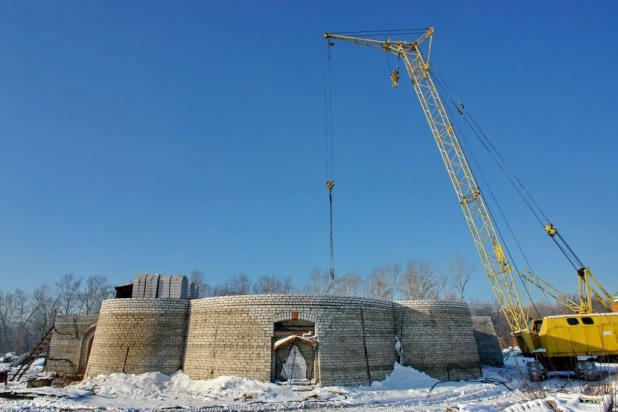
(552, 339)
(493, 258)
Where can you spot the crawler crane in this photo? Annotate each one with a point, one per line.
(555, 342)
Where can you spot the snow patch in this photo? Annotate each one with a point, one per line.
(405, 389)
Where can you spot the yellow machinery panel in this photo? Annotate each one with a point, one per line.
(579, 335)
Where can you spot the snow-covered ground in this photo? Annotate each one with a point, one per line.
(406, 389)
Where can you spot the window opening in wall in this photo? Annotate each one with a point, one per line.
(572, 321)
(536, 326)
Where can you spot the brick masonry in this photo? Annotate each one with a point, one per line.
(437, 338)
(68, 349)
(234, 335)
(487, 341)
(139, 335)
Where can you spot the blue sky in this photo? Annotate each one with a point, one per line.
(159, 137)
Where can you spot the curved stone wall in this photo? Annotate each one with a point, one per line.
(71, 334)
(490, 352)
(233, 335)
(438, 339)
(139, 335)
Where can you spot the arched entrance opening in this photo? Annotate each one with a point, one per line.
(294, 352)
(85, 349)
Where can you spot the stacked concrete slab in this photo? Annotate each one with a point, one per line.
(172, 287)
(145, 286)
(162, 287)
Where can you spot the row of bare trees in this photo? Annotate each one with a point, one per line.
(241, 284)
(414, 280)
(26, 316)
(420, 279)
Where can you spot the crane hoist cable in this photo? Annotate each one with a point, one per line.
(330, 162)
(534, 207)
(330, 184)
(470, 154)
(564, 247)
(518, 186)
(491, 149)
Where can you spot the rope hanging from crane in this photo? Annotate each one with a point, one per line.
(330, 179)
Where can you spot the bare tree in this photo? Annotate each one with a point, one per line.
(272, 285)
(237, 285)
(450, 295)
(7, 323)
(421, 281)
(320, 283)
(381, 282)
(15, 313)
(350, 284)
(45, 306)
(460, 272)
(95, 290)
(202, 287)
(67, 290)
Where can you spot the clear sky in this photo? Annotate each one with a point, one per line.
(160, 137)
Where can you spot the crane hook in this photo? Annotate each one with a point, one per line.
(395, 78)
(395, 73)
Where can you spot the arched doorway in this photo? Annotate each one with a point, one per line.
(294, 351)
(85, 349)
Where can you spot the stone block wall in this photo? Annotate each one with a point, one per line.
(233, 336)
(487, 341)
(139, 335)
(68, 348)
(357, 342)
(437, 338)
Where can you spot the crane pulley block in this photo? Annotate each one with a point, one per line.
(551, 230)
(395, 78)
(330, 184)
